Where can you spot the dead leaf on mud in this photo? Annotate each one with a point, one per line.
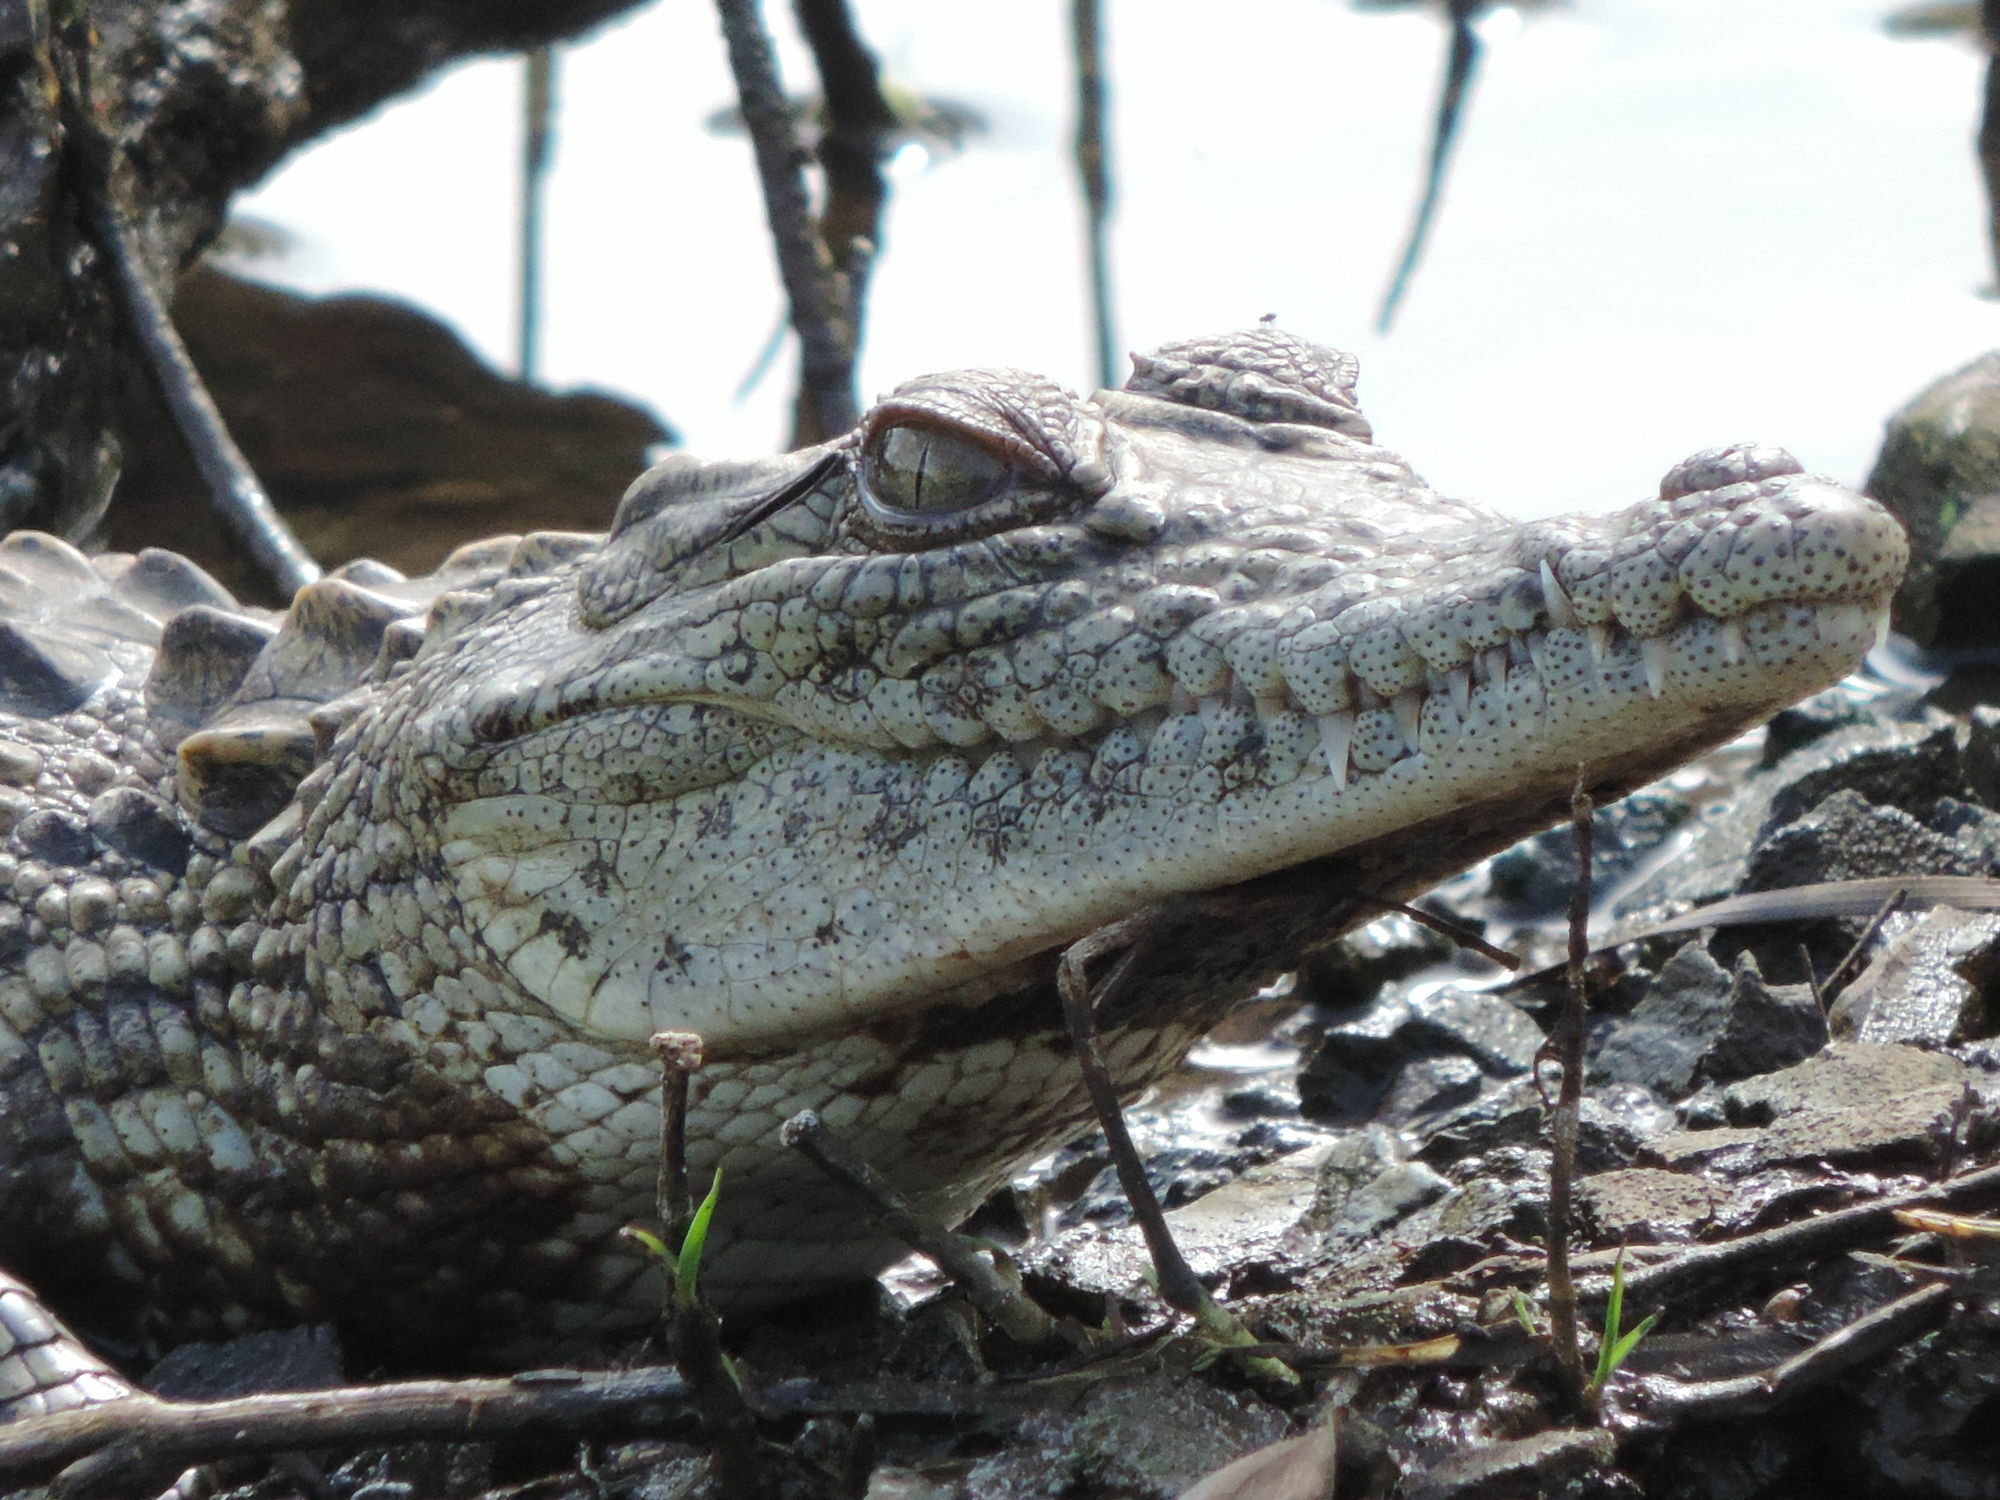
(1299, 1468)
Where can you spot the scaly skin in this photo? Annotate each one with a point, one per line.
(825, 758)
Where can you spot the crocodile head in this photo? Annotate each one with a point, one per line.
(824, 757)
(815, 738)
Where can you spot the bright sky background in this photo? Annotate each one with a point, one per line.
(1671, 224)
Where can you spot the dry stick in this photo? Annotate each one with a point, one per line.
(680, 1054)
(1094, 175)
(858, 127)
(819, 304)
(693, 1335)
(233, 487)
(109, 1449)
(1178, 1284)
(1828, 988)
(538, 110)
(1772, 1248)
(1567, 1046)
(1662, 1403)
(1463, 58)
(958, 1254)
(1458, 932)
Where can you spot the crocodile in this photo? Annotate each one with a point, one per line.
(337, 938)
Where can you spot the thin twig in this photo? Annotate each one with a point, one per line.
(125, 1442)
(1769, 1250)
(1663, 1403)
(680, 1054)
(1462, 61)
(233, 486)
(820, 312)
(1093, 173)
(1177, 1283)
(999, 1297)
(1564, 1120)
(853, 140)
(1458, 932)
(1831, 986)
(538, 138)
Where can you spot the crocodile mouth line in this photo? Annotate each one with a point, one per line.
(1279, 738)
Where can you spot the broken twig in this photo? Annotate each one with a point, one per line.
(233, 487)
(819, 302)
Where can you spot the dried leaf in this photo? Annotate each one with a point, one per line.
(1299, 1468)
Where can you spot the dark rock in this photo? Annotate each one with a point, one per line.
(1939, 471)
(1615, 1122)
(376, 431)
(1907, 768)
(1537, 874)
(1428, 1086)
(1765, 1027)
(1929, 984)
(1499, 1037)
(1979, 760)
(1848, 838)
(1662, 1044)
(1366, 1184)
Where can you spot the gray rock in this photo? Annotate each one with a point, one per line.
(1765, 1026)
(1661, 1045)
(1939, 471)
(1930, 982)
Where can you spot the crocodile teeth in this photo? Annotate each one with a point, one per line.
(1562, 613)
(1336, 737)
(1730, 634)
(1458, 681)
(1409, 707)
(1600, 642)
(1657, 654)
(1881, 629)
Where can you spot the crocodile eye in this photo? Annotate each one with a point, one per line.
(915, 473)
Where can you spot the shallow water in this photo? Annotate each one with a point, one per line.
(1672, 223)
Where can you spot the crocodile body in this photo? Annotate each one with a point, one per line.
(336, 939)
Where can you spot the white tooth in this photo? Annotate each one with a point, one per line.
(1495, 662)
(1409, 707)
(1537, 645)
(1881, 630)
(1336, 737)
(1600, 642)
(1657, 654)
(1561, 612)
(1459, 682)
(1730, 634)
